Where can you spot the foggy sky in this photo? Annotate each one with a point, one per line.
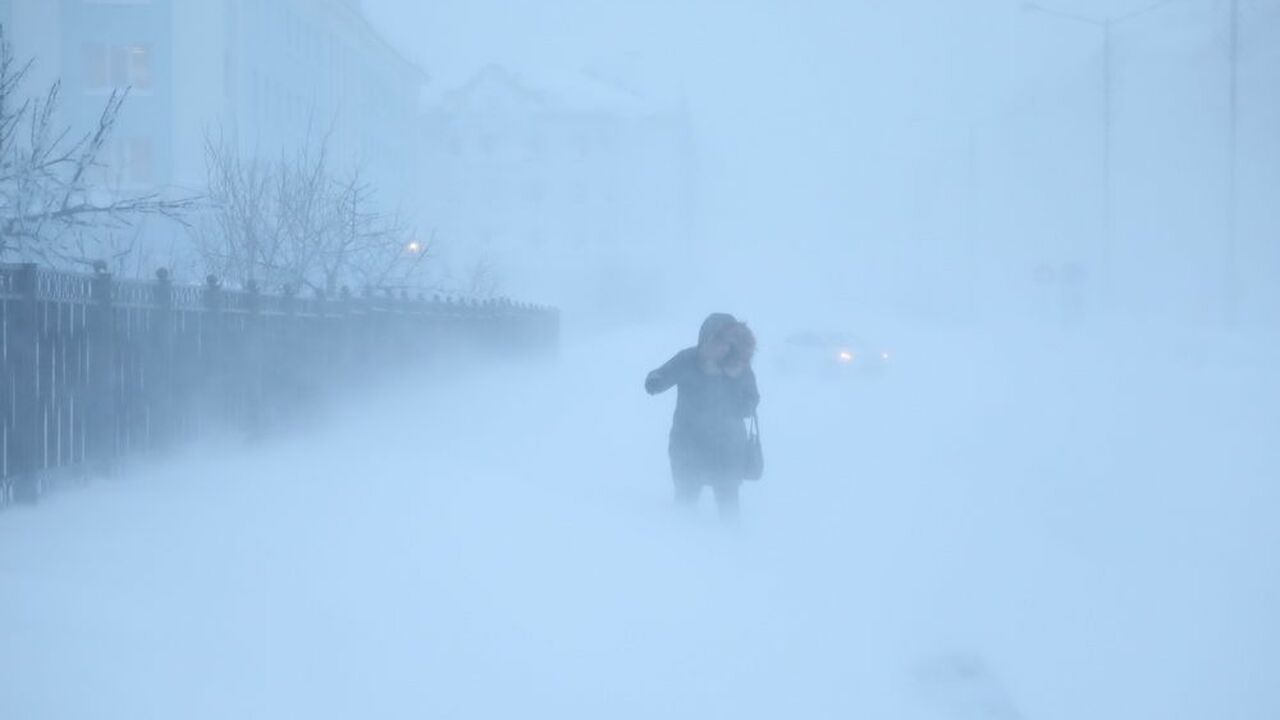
(924, 141)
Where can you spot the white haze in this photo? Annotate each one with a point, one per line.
(1054, 506)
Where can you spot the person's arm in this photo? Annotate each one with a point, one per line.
(667, 376)
(750, 392)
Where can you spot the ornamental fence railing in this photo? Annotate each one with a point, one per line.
(93, 369)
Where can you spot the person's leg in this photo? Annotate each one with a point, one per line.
(727, 502)
(687, 493)
(688, 484)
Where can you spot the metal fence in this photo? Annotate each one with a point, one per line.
(93, 368)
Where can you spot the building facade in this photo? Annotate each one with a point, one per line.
(558, 176)
(269, 74)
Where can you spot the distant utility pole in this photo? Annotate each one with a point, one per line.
(1230, 287)
(1107, 24)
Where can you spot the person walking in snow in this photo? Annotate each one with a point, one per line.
(715, 392)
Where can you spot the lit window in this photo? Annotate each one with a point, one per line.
(140, 74)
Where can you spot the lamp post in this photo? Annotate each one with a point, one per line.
(1230, 297)
(1107, 24)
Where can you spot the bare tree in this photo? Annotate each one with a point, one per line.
(482, 280)
(372, 248)
(237, 236)
(293, 222)
(49, 207)
(478, 277)
(307, 212)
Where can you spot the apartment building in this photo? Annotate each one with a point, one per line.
(266, 73)
(558, 174)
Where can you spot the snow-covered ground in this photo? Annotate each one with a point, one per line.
(1007, 525)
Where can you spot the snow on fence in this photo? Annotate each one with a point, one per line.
(93, 368)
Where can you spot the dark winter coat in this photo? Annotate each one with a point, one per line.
(708, 437)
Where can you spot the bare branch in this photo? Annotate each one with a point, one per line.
(294, 222)
(47, 201)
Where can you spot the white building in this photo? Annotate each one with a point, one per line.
(264, 70)
(556, 178)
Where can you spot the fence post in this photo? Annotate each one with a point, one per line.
(322, 326)
(364, 336)
(24, 339)
(344, 333)
(161, 365)
(103, 421)
(284, 378)
(252, 364)
(215, 402)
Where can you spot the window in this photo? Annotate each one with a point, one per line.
(97, 67)
(139, 161)
(109, 67)
(126, 162)
(140, 74)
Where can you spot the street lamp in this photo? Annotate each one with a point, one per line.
(1231, 298)
(1106, 23)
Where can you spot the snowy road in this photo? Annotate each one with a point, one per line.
(977, 535)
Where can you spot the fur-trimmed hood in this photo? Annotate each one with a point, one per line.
(714, 325)
(731, 330)
(743, 342)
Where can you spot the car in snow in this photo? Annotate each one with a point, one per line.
(830, 355)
